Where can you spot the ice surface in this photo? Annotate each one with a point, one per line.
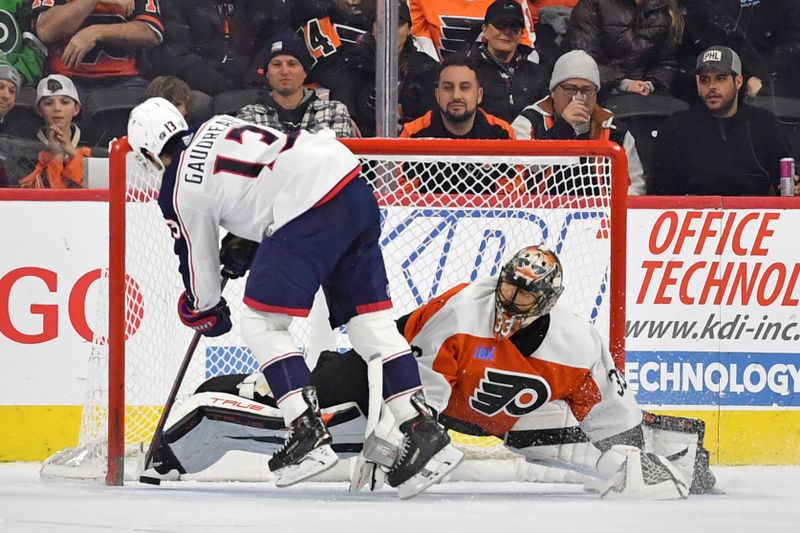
(756, 500)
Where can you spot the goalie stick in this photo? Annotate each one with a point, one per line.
(376, 449)
(158, 435)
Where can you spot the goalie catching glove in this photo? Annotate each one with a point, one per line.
(634, 474)
(236, 255)
(211, 322)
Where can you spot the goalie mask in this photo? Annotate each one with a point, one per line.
(528, 287)
(150, 127)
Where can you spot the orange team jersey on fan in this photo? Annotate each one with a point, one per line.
(449, 25)
(104, 60)
(489, 383)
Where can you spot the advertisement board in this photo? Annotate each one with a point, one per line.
(712, 310)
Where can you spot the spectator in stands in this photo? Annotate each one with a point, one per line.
(721, 146)
(571, 112)
(10, 82)
(447, 26)
(60, 166)
(287, 105)
(329, 28)
(458, 116)
(173, 89)
(458, 95)
(635, 43)
(214, 43)
(550, 19)
(510, 81)
(95, 44)
(766, 34)
(416, 74)
(19, 47)
(9, 86)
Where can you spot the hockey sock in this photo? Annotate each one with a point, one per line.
(400, 381)
(287, 374)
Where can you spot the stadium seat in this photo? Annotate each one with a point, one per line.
(201, 107)
(229, 103)
(788, 112)
(106, 114)
(644, 116)
(23, 116)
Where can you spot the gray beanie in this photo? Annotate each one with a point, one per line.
(575, 64)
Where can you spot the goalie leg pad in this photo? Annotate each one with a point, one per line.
(634, 474)
(680, 439)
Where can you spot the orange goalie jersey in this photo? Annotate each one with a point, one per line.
(490, 383)
(450, 25)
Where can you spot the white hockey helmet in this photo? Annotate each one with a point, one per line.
(535, 270)
(150, 126)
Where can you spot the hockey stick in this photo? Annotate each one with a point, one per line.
(158, 435)
(364, 468)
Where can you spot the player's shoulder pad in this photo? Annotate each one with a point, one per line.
(571, 340)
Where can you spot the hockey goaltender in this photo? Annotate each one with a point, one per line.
(497, 357)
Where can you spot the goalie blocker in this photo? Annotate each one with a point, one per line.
(236, 412)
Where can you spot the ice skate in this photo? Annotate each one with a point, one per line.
(306, 451)
(426, 455)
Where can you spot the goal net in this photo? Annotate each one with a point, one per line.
(452, 211)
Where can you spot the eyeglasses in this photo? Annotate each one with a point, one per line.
(572, 90)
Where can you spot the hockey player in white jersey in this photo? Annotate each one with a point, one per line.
(318, 223)
(498, 357)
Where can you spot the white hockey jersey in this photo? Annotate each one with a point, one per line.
(248, 179)
(473, 377)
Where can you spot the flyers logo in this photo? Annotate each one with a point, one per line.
(513, 393)
(457, 31)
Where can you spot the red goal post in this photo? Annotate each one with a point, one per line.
(431, 240)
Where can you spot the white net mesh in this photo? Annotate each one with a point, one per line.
(447, 219)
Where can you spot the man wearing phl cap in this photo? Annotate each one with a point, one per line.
(721, 146)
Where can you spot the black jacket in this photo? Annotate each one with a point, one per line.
(198, 49)
(765, 34)
(507, 89)
(329, 30)
(416, 74)
(697, 153)
(627, 40)
(468, 178)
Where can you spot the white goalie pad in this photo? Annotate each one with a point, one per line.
(551, 437)
(208, 425)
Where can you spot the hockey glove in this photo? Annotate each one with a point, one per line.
(634, 474)
(211, 322)
(236, 255)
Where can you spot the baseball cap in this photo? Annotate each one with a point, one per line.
(720, 58)
(403, 13)
(289, 43)
(56, 85)
(9, 73)
(505, 13)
